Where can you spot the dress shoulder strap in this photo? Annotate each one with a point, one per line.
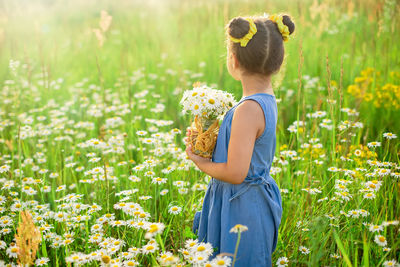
(255, 97)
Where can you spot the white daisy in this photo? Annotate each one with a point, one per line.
(282, 261)
(380, 240)
(304, 250)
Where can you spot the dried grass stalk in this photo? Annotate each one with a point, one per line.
(28, 239)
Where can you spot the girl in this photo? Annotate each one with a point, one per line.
(241, 190)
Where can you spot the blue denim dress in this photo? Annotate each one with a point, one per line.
(255, 203)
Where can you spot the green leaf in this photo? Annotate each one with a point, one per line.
(365, 251)
(340, 245)
(188, 233)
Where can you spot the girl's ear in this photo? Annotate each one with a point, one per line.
(235, 61)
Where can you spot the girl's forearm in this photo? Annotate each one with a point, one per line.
(219, 171)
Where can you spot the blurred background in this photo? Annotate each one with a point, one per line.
(63, 39)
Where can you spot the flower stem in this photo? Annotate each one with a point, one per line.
(236, 249)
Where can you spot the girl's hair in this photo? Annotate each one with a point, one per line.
(264, 52)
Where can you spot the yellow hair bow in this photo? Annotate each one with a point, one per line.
(245, 39)
(284, 30)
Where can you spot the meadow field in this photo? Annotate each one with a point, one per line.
(92, 133)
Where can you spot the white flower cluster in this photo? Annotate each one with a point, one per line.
(206, 102)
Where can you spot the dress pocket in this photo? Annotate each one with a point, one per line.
(240, 191)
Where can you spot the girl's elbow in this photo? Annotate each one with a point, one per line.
(236, 174)
(238, 178)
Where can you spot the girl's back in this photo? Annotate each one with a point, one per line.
(264, 148)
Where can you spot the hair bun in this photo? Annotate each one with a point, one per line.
(238, 27)
(289, 23)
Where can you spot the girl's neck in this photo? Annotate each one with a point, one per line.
(253, 84)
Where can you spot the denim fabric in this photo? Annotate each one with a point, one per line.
(255, 203)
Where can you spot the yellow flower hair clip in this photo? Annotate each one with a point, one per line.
(284, 30)
(245, 39)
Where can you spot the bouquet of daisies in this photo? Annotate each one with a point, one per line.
(207, 105)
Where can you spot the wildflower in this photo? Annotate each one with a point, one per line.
(105, 259)
(223, 261)
(12, 251)
(198, 259)
(2, 200)
(97, 238)
(333, 169)
(389, 135)
(149, 173)
(358, 152)
(179, 183)
(134, 178)
(141, 133)
(167, 259)
(127, 255)
(5, 221)
(330, 216)
(363, 212)
(46, 188)
(282, 261)
(175, 210)
(42, 261)
(153, 229)
(150, 247)
(94, 159)
(182, 190)
(130, 263)
(134, 250)
(190, 243)
(148, 140)
(68, 241)
(344, 195)
(373, 185)
(117, 223)
(164, 192)
(374, 144)
(304, 250)
(238, 228)
(353, 213)
(380, 240)
(16, 206)
(159, 180)
(4, 168)
(369, 195)
(311, 191)
(5, 231)
(335, 256)
(375, 228)
(391, 263)
(60, 188)
(386, 223)
(202, 248)
(382, 172)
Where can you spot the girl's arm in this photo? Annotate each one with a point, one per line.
(248, 120)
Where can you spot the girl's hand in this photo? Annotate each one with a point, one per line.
(195, 158)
